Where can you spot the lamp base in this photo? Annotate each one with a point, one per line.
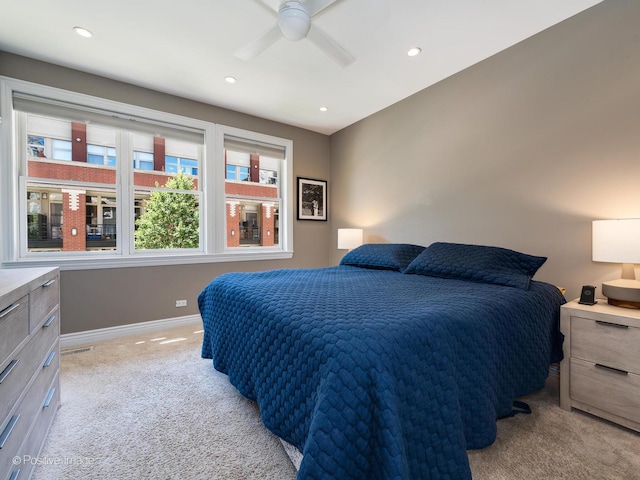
(622, 292)
(623, 303)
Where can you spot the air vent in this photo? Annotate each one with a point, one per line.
(76, 350)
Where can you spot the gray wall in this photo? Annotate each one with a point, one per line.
(522, 150)
(103, 298)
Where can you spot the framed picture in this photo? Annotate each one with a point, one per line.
(312, 199)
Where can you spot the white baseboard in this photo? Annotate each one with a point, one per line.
(69, 340)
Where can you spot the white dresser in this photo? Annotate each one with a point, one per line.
(600, 372)
(29, 365)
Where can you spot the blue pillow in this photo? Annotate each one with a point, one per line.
(477, 263)
(382, 256)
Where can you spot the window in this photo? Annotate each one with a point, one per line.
(61, 149)
(188, 166)
(142, 160)
(237, 172)
(99, 155)
(167, 201)
(253, 194)
(98, 181)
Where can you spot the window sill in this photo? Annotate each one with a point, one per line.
(116, 261)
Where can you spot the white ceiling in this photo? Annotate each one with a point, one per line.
(186, 48)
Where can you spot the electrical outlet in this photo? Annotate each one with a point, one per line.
(181, 303)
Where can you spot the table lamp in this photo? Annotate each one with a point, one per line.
(349, 238)
(618, 241)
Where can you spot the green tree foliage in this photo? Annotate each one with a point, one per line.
(170, 219)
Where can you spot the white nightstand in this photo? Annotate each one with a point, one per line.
(600, 373)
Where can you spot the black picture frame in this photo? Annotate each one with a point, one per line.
(312, 199)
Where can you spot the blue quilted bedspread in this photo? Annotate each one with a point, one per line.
(376, 374)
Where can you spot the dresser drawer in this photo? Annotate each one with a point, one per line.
(33, 444)
(14, 327)
(27, 410)
(28, 361)
(606, 342)
(608, 390)
(43, 299)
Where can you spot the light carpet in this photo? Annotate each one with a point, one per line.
(148, 407)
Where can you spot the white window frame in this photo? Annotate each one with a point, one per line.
(286, 187)
(212, 176)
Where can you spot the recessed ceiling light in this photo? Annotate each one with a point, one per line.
(414, 51)
(324, 109)
(230, 79)
(83, 32)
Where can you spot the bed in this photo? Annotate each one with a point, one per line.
(392, 364)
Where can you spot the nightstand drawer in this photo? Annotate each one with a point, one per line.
(609, 390)
(610, 343)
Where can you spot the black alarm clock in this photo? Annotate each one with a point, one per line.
(588, 295)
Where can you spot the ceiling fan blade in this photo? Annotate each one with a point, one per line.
(272, 5)
(260, 44)
(315, 6)
(329, 46)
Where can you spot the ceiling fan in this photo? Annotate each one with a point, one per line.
(294, 23)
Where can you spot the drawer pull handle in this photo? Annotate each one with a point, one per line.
(609, 324)
(8, 310)
(7, 430)
(49, 321)
(48, 283)
(611, 369)
(47, 400)
(49, 359)
(5, 373)
(14, 474)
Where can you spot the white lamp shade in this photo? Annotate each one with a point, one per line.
(349, 238)
(616, 241)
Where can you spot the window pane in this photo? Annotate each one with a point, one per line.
(268, 176)
(243, 173)
(253, 193)
(64, 215)
(61, 150)
(97, 155)
(252, 224)
(35, 146)
(95, 159)
(44, 145)
(70, 219)
(142, 160)
(171, 164)
(167, 220)
(111, 157)
(188, 166)
(166, 216)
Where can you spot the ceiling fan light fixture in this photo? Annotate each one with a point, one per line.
(293, 20)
